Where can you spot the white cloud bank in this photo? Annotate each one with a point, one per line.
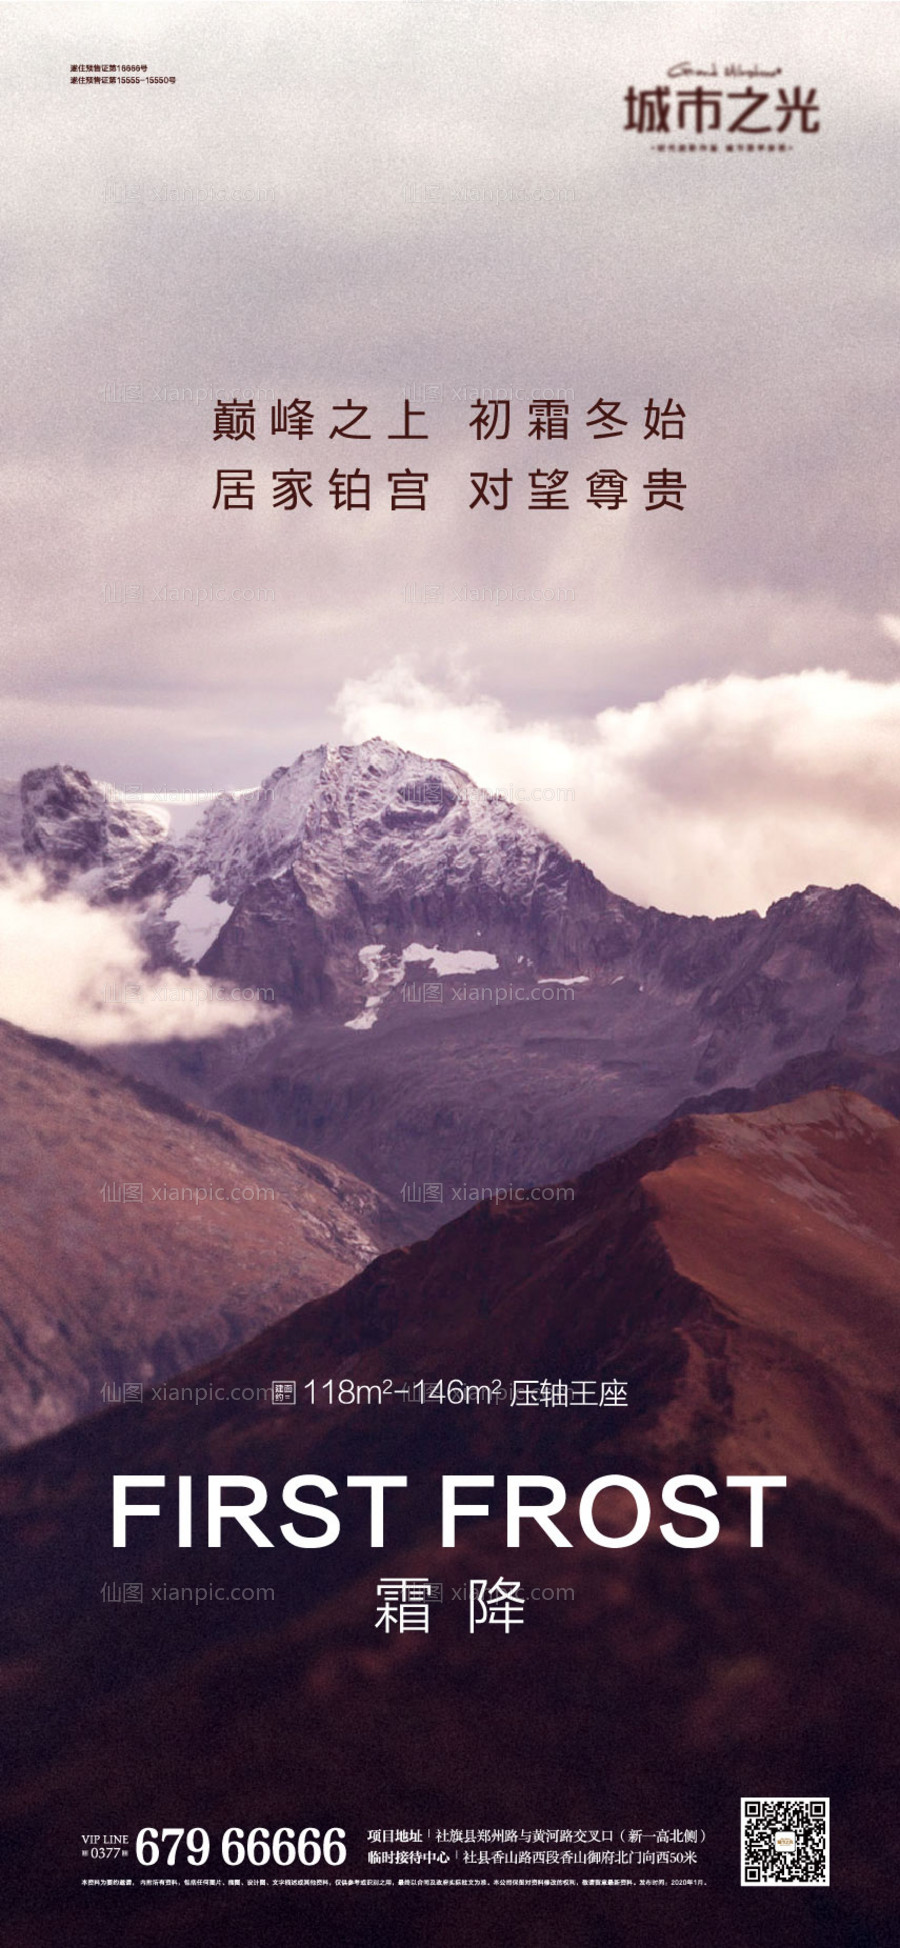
(715, 797)
(78, 972)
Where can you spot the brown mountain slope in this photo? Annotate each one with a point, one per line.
(97, 1288)
(740, 1274)
(790, 1217)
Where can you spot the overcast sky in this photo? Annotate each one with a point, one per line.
(369, 201)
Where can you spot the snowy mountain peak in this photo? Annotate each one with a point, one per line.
(372, 814)
(82, 838)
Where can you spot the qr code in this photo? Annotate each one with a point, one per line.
(784, 1843)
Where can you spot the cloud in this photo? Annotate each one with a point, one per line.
(78, 972)
(891, 626)
(715, 797)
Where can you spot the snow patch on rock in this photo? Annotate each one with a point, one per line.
(198, 918)
(387, 970)
(369, 1014)
(469, 960)
(563, 980)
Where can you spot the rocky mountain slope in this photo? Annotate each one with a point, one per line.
(739, 1275)
(83, 838)
(138, 1235)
